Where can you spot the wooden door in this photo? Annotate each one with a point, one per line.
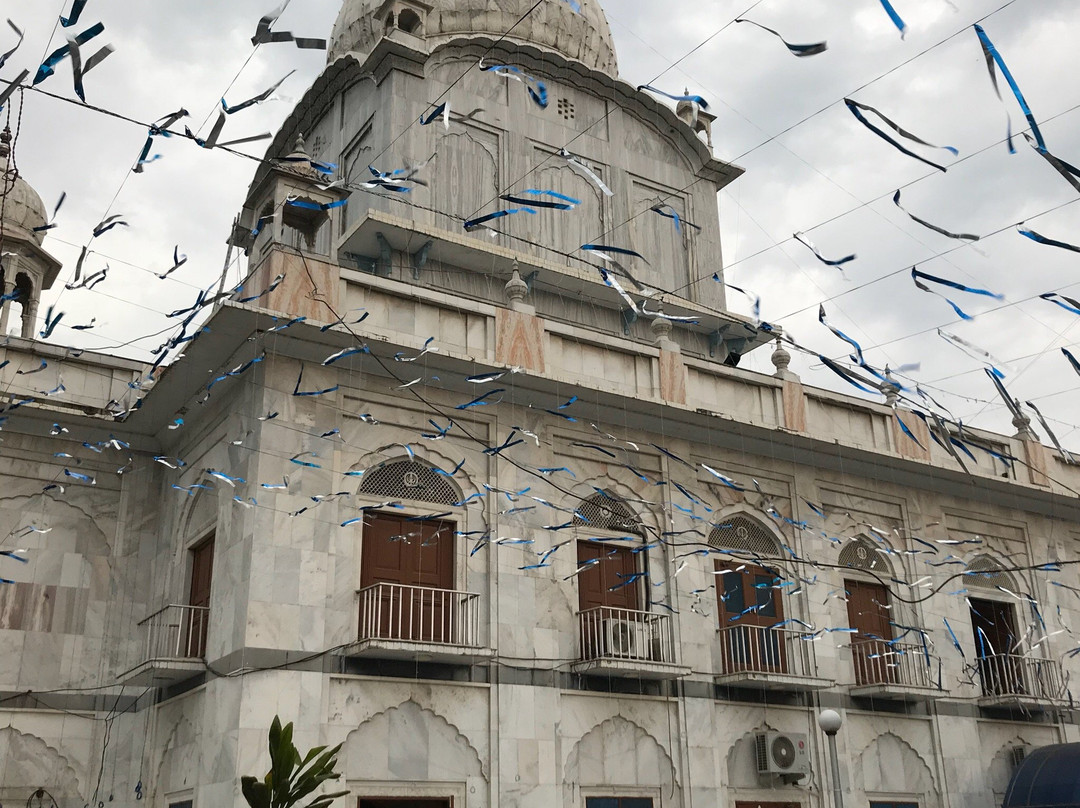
(403, 802)
(195, 626)
(993, 625)
(415, 562)
(869, 614)
(749, 606)
(607, 593)
(605, 584)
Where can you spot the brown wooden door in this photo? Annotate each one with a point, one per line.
(868, 613)
(415, 561)
(195, 626)
(748, 606)
(605, 591)
(993, 626)
(603, 584)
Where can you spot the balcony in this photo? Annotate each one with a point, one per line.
(1025, 682)
(419, 623)
(626, 643)
(766, 658)
(894, 671)
(175, 646)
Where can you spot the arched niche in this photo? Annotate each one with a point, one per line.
(29, 763)
(412, 744)
(891, 766)
(618, 752)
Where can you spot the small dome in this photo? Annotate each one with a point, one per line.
(23, 208)
(582, 36)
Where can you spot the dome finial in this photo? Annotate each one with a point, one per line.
(5, 142)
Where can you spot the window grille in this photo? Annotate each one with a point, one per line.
(607, 512)
(862, 554)
(740, 533)
(408, 479)
(985, 572)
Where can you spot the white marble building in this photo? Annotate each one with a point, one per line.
(164, 617)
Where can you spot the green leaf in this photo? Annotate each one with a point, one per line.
(256, 793)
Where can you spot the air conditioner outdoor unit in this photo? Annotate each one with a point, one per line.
(782, 753)
(622, 638)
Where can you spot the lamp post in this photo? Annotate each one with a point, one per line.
(830, 723)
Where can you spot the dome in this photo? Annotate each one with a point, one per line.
(23, 208)
(582, 36)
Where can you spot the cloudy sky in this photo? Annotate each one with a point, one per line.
(810, 166)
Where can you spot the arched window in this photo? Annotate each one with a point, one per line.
(747, 535)
(409, 21)
(409, 479)
(862, 554)
(604, 511)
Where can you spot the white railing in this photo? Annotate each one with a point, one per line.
(1035, 678)
(419, 614)
(905, 664)
(625, 634)
(759, 649)
(176, 632)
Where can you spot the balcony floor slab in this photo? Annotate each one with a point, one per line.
(892, 691)
(1032, 704)
(419, 651)
(759, 680)
(630, 669)
(163, 672)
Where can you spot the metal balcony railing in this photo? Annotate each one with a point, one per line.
(763, 650)
(176, 632)
(903, 664)
(421, 614)
(1036, 679)
(627, 635)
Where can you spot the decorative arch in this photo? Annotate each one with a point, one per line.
(862, 553)
(986, 572)
(409, 478)
(411, 743)
(605, 510)
(1003, 764)
(30, 763)
(890, 765)
(742, 532)
(618, 752)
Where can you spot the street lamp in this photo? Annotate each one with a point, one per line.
(830, 723)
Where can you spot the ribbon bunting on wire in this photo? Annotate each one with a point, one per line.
(934, 227)
(858, 109)
(796, 50)
(918, 276)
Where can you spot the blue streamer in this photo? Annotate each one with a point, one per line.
(1041, 239)
(1072, 360)
(1070, 304)
(992, 56)
(48, 67)
(856, 109)
(73, 18)
(901, 26)
(693, 99)
(480, 401)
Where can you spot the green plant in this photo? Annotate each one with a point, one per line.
(291, 778)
